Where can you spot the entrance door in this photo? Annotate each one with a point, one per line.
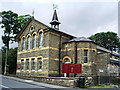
(67, 59)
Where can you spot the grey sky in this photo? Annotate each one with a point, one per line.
(77, 18)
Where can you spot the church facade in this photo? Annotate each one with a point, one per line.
(43, 49)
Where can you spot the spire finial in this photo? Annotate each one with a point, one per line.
(33, 13)
(55, 22)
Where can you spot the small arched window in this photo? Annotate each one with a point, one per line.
(40, 39)
(67, 59)
(34, 41)
(28, 42)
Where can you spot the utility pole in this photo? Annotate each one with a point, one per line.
(5, 71)
(118, 51)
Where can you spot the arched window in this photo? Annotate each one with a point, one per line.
(34, 41)
(28, 42)
(40, 39)
(67, 59)
(23, 44)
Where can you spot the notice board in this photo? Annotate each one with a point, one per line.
(71, 68)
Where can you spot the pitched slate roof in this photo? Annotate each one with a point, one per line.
(112, 60)
(27, 23)
(52, 29)
(103, 49)
(78, 39)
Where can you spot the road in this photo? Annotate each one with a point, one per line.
(20, 84)
(12, 83)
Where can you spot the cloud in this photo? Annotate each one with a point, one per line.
(85, 18)
(77, 18)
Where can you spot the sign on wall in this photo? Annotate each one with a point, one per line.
(71, 68)
(18, 66)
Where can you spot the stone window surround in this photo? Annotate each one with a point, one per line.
(89, 49)
(86, 56)
(34, 40)
(40, 40)
(27, 62)
(33, 64)
(31, 39)
(32, 28)
(38, 63)
(28, 44)
(30, 63)
(67, 57)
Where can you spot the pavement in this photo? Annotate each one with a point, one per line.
(30, 84)
(34, 82)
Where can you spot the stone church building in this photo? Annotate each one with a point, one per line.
(43, 49)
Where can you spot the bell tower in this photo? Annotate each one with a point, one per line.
(55, 22)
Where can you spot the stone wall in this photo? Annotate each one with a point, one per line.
(37, 27)
(55, 54)
(52, 80)
(88, 69)
(113, 69)
(35, 53)
(102, 63)
(49, 52)
(55, 49)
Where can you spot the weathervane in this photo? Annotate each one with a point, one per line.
(55, 6)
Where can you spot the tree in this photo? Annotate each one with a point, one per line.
(11, 60)
(19, 23)
(108, 40)
(8, 18)
(12, 25)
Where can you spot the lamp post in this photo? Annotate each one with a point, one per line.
(5, 71)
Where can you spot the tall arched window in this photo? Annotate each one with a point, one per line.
(34, 41)
(28, 42)
(40, 39)
(23, 44)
